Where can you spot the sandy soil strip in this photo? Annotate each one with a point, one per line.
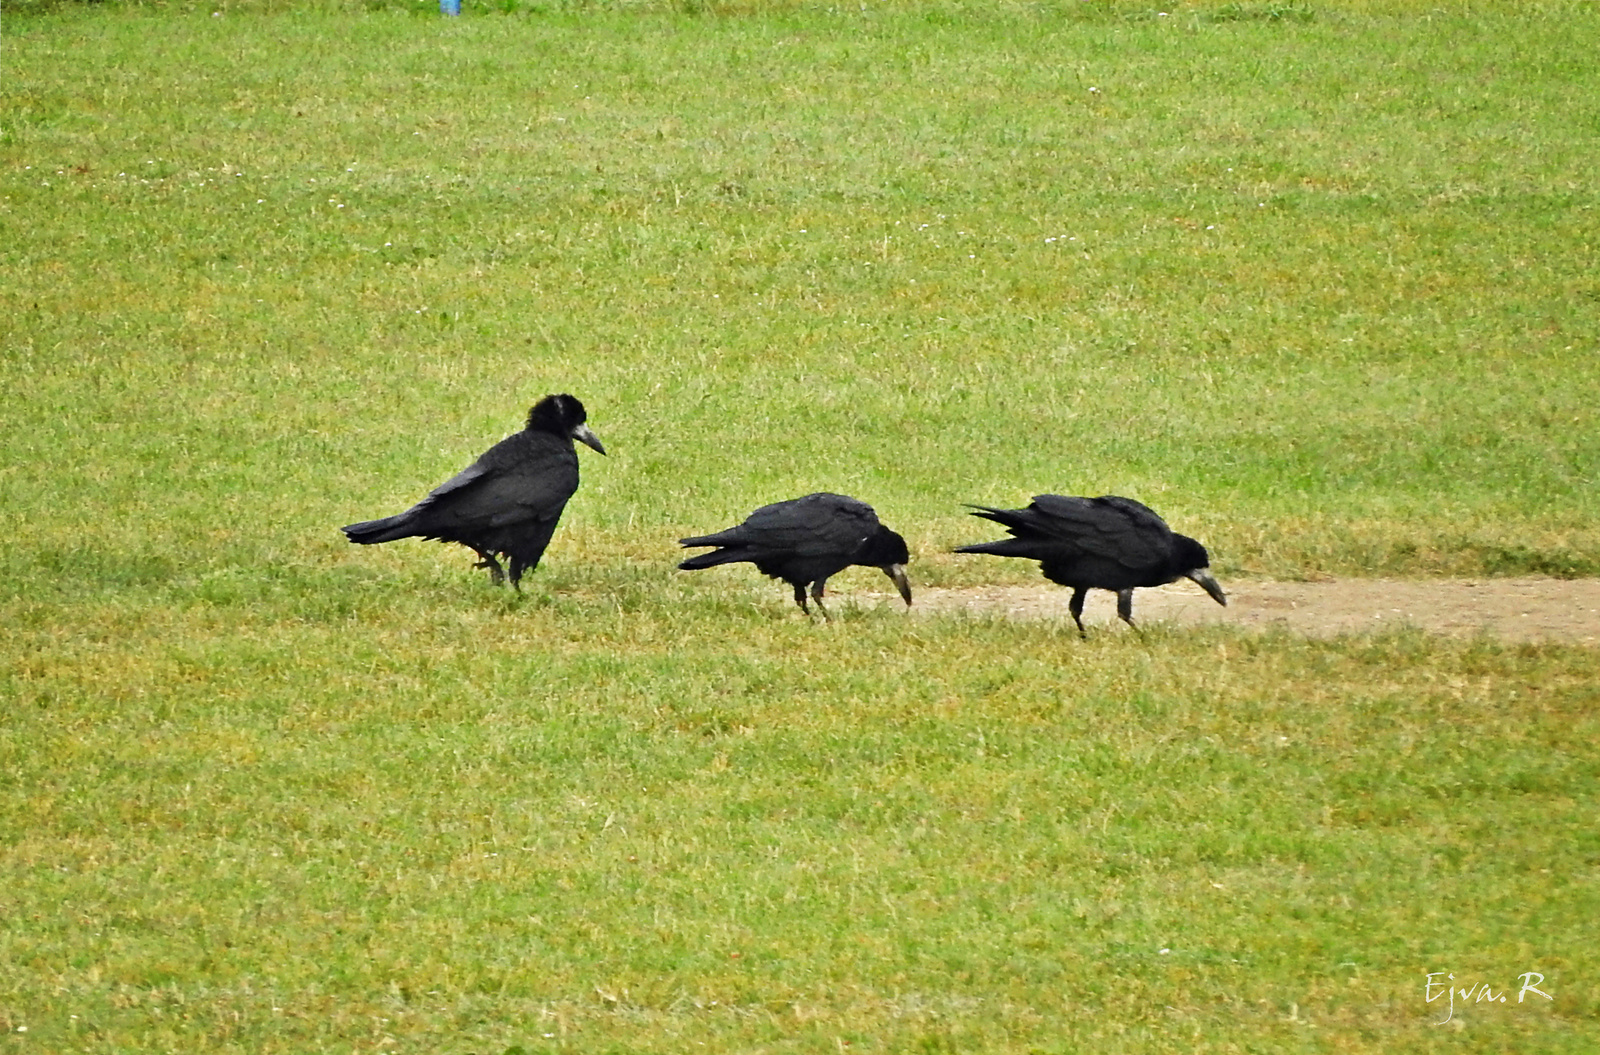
(1514, 609)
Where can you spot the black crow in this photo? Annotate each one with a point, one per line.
(1106, 543)
(508, 501)
(805, 540)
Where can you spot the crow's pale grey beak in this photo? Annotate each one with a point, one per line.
(1209, 584)
(583, 435)
(897, 572)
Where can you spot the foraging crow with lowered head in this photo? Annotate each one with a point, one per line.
(805, 540)
(508, 501)
(1106, 543)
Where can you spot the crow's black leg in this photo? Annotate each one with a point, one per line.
(496, 575)
(1125, 607)
(816, 595)
(800, 597)
(1075, 606)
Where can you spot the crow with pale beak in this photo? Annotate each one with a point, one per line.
(805, 540)
(508, 502)
(1106, 543)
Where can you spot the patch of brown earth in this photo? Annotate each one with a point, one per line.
(1564, 610)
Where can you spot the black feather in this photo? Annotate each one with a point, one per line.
(804, 541)
(1106, 543)
(508, 502)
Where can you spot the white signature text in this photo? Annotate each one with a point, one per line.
(1480, 992)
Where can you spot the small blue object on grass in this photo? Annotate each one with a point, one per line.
(449, 7)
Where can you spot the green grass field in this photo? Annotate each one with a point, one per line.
(1318, 281)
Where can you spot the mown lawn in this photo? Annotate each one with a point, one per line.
(1316, 281)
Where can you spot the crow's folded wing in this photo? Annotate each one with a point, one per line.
(1111, 527)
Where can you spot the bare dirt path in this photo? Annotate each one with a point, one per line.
(1564, 610)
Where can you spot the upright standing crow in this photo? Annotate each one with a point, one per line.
(1107, 543)
(508, 501)
(805, 540)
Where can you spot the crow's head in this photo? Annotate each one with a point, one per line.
(1191, 561)
(563, 415)
(887, 550)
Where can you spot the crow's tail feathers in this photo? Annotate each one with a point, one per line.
(1024, 523)
(1006, 547)
(1011, 518)
(712, 559)
(388, 529)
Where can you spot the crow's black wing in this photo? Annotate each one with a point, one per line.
(817, 525)
(1110, 527)
(523, 479)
